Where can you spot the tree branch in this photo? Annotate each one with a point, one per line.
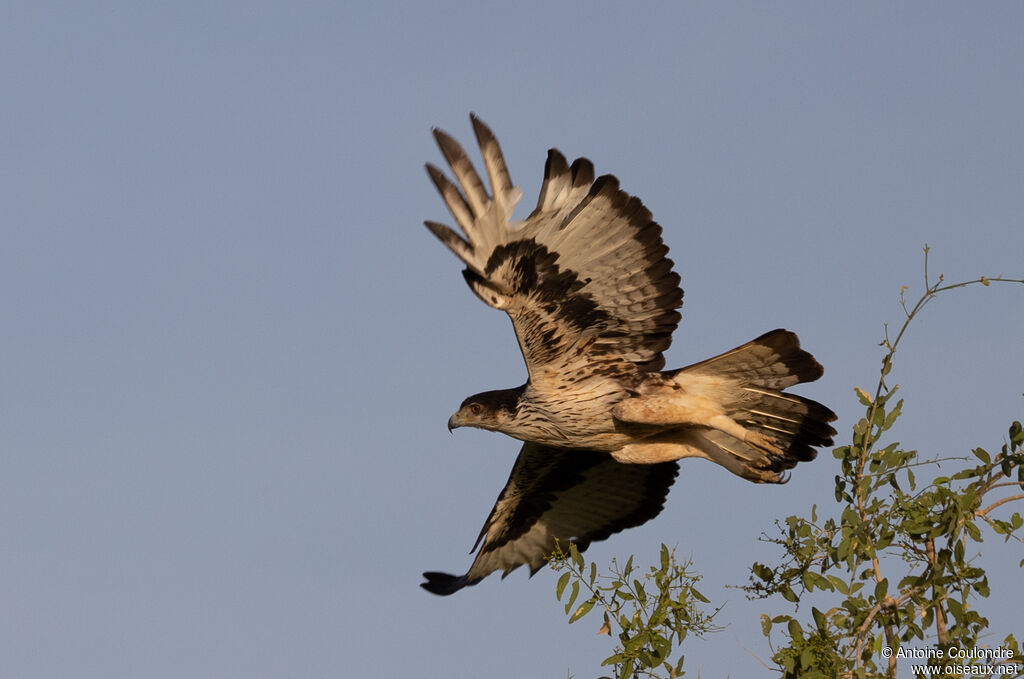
(984, 512)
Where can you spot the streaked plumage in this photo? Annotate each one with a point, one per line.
(593, 301)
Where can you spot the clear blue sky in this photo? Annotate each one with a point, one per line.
(228, 347)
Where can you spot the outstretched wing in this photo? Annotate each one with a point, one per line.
(585, 277)
(557, 495)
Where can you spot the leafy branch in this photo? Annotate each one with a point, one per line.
(896, 554)
(654, 612)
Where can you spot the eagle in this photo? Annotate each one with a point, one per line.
(594, 300)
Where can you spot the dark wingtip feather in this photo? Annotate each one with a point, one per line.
(582, 172)
(444, 233)
(481, 130)
(555, 165)
(606, 183)
(504, 191)
(444, 584)
(437, 176)
(446, 142)
(456, 243)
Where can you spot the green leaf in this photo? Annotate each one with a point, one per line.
(1016, 434)
(879, 417)
(812, 580)
(839, 584)
(891, 417)
(584, 608)
(881, 589)
(843, 549)
(572, 597)
(982, 455)
(955, 608)
(574, 554)
(562, 582)
(662, 646)
(636, 643)
(819, 619)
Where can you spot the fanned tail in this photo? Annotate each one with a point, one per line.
(786, 428)
(731, 410)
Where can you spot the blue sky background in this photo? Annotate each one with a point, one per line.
(228, 347)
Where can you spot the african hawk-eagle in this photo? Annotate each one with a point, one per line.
(593, 299)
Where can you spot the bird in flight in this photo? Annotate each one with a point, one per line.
(593, 300)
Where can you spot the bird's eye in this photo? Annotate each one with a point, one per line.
(476, 408)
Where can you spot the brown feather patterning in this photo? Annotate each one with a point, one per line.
(584, 276)
(557, 496)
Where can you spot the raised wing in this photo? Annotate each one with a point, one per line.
(554, 494)
(585, 277)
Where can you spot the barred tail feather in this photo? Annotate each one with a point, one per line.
(792, 426)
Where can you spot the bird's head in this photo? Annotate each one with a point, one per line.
(490, 410)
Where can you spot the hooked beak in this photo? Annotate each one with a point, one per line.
(454, 423)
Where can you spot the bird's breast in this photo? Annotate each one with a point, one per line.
(581, 421)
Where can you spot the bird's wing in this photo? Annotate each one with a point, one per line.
(585, 277)
(559, 496)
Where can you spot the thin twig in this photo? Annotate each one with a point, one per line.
(984, 512)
